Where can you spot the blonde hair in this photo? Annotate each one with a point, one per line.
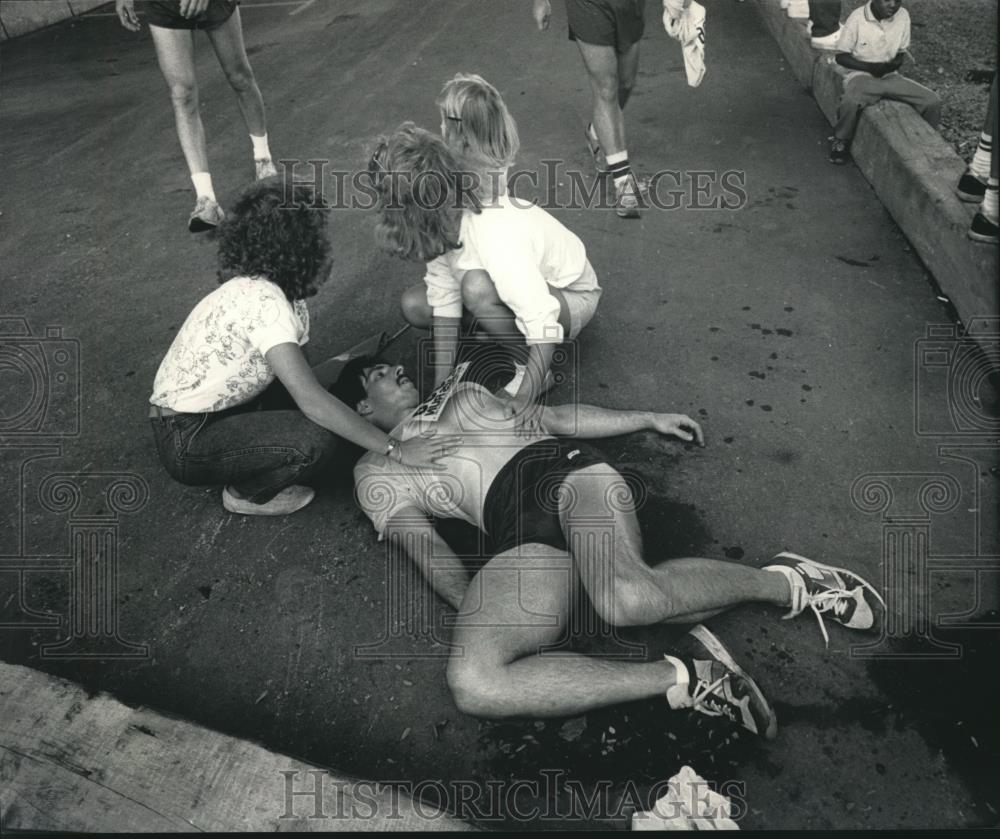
(420, 194)
(477, 124)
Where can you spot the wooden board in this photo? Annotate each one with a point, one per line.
(69, 762)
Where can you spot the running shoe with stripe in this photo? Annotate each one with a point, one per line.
(827, 590)
(718, 687)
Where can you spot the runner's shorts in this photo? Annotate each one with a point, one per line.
(606, 23)
(167, 14)
(522, 504)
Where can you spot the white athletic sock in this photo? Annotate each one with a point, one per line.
(989, 206)
(203, 184)
(980, 166)
(796, 586)
(619, 168)
(679, 693)
(514, 385)
(261, 151)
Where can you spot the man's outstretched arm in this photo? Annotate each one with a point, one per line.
(590, 421)
(411, 530)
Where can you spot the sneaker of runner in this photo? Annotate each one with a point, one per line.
(834, 592)
(712, 683)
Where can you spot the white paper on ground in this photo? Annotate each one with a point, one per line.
(689, 804)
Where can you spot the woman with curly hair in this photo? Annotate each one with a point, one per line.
(218, 414)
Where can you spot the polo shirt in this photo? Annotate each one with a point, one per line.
(876, 41)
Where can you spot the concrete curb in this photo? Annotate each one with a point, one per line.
(912, 170)
(19, 17)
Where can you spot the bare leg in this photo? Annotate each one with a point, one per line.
(415, 308)
(517, 605)
(628, 69)
(601, 64)
(227, 40)
(175, 54)
(598, 517)
(480, 298)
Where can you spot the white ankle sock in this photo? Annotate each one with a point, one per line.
(989, 206)
(261, 151)
(619, 168)
(679, 693)
(980, 166)
(514, 385)
(203, 184)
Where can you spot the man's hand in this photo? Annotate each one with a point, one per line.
(542, 13)
(193, 8)
(125, 9)
(678, 425)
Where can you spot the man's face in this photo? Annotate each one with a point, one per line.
(387, 391)
(885, 8)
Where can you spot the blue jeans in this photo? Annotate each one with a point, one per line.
(258, 448)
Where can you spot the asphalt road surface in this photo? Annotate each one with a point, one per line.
(793, 327)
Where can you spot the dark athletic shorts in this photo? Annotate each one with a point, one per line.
(606, 23)
(167, 13)
(522, 503)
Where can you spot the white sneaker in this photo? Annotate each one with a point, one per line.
(284, 503)
(207, 214)
(265, 168)
(827, 42)
(798, 9)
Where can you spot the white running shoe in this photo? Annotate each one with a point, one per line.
(827, 590)
(718, 687)
(827, 42)
(284, 503)
(265, 168)
(205, 215)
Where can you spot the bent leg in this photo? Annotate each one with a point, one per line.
(859, 92)
(415, 308)
(597, 513)
(601, 63)
(517, 605)
(922, 99)
(227, 41)
(480, 298)
(259, 453)
(175, 55)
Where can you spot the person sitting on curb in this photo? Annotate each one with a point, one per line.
(557, 515)
(980, 182)
(872, 47)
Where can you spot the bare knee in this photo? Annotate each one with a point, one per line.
(241, 79)
(606, 86)
(184, 95)
(415, 308)
(478, 291)
(473, 687)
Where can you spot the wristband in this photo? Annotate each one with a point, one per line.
(391, 445)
